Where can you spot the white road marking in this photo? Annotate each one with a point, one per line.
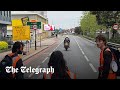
(58, 45)
(91, 65)
(33, 73)
(82, 50)
(51, 52)
(93, 68)
(44, 59)
(86, 58)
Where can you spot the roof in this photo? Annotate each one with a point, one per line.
(25, 12)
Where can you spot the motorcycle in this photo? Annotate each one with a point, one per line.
(66, 46)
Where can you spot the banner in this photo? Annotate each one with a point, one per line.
(48, 27)
(21, 33)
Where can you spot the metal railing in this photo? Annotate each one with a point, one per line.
(114, 45)
(110, 44)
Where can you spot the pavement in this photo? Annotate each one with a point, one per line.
(45, 43)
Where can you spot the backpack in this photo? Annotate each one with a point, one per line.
(7, 61)
(115, 62)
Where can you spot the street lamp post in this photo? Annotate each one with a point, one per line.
(40, 39)
(35, 40)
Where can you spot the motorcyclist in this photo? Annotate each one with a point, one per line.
(67, 40)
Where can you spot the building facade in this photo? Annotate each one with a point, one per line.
(32, 16)
(43, 13)
(5, 19)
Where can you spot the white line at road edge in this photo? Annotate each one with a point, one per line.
(52, 51)
(93, 68)
(33, 73)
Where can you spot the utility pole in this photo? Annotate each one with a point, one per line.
(35, 28)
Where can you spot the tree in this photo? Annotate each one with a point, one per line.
(89, 24)
(107, 18)
(78, 30)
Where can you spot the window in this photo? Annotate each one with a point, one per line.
(9, 13)
(0, 12)
(4, 13)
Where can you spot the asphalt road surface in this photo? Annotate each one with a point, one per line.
(82, 58)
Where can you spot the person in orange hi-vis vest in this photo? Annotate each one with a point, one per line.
(61, 71)
(105, 71)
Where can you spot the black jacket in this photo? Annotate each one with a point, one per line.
(67, 40)
(107, 55)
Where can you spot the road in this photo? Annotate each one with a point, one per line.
(82, 58)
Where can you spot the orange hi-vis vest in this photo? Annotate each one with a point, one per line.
(15, 60)
(49, 75)
(111, 75)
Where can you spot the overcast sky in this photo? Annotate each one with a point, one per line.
(64, 19)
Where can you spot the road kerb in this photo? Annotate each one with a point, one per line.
(45, 47)
(87, 39)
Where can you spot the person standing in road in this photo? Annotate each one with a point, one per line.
(105, 71)
(61, 71)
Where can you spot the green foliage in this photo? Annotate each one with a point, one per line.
(78, 30)
(89, 24)
(107, 18)
(3, 45)
(115, 40)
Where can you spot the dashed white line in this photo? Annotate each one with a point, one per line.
(33, 73)
(78, 45)
(58, 46)
(93, 68)
(51, 52)
(82, 52)
(86, 58)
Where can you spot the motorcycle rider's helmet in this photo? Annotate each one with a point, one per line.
(66, 35)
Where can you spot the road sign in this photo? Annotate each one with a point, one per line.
(115, 26)
(21, 33)
(25, 20)
(34, 23)
(34, 27)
